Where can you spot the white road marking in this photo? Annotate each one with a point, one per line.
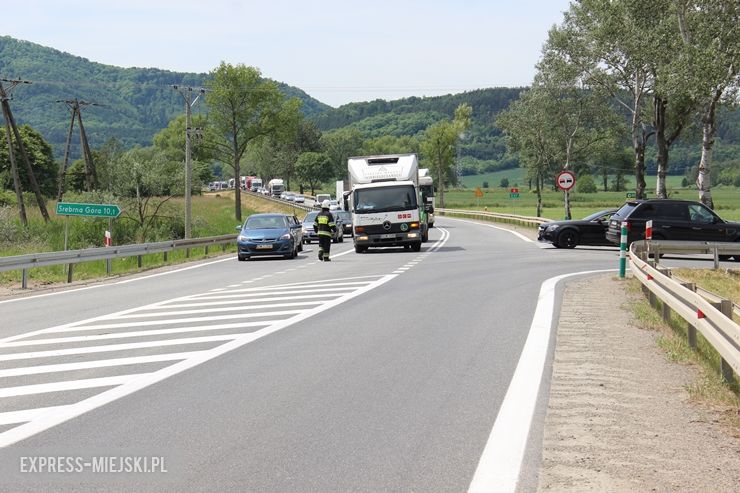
(500, 464)
(138, 333)
(249, 300)
(149, 323)
(117, 347)
(67, 291)
(101, 363)
(88, 383)
(13, 417)
(215, 310)
(250, 292)
(515, 233)
(50, 419)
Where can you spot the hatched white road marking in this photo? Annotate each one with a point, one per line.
(161, 319)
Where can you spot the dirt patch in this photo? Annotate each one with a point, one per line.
(619, 417)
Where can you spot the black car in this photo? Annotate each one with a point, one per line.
(346, 218)
(672, 220)
(587, 231)
(309, 234)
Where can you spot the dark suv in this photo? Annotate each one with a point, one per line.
(672, 220)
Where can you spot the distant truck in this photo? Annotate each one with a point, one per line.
(426, 186)
(386, 202)
(320, 197)
(276, 187)
(254, 184)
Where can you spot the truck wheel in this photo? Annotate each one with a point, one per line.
(416, 247)
(425, 236)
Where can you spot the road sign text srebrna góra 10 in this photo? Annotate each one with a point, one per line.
(89, 210)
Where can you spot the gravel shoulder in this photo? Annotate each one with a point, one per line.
(619, 417)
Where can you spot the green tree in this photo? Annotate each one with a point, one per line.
(438, 147)
(586, 184)
(313, 168)
(244, 107)
(146, 180)
(41, 157)
(340, 145)
(504, 183)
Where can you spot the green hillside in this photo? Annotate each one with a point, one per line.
(137, 102)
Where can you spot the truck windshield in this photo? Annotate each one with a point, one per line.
(399, 198)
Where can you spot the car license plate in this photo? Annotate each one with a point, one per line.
(389, 235)
(264, 247)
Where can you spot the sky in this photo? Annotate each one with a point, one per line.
(338, 51)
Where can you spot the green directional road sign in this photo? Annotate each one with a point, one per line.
(631, 195)
(514, 195)
(88, 210)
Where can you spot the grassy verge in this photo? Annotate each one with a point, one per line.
(709, 388)
(213, 214)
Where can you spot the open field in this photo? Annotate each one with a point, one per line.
(727, 201)
(516, 177)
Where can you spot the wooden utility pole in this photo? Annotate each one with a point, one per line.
(91, 176)
(187, 96)
(9, 120)
(11, 156)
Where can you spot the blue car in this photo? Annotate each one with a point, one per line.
(269, 235)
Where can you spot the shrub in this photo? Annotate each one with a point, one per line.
(586, 184)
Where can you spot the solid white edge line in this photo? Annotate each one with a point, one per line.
(51, 419)
(515, 233)
(500, 464)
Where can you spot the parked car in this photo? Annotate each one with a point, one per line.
(672, 220)
(309, 234)
(591, 230)
(346, 218)
(299, 199)
(269, 234)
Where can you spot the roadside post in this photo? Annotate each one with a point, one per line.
(513, 195)
(478, 194)
(649, 236)
(623, 251)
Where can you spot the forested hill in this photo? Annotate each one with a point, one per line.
(136, 102)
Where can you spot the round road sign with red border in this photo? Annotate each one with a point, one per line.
(565, 181)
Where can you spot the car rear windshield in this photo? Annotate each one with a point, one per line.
(626, 209)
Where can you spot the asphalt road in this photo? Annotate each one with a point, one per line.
(382, 371)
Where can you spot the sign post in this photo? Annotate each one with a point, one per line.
(478, 193)
(623, 251)
(565, 181)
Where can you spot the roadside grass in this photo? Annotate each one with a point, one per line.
(723, 283)
(708, 388)
(727, 201)
(213, 215)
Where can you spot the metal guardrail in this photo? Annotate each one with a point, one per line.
(715, 248)
(529, 221)
(283, 202)
(712, 318)
(70, 257)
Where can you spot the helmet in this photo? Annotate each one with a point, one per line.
(325, 204)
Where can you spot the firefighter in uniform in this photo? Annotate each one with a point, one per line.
(325, 227)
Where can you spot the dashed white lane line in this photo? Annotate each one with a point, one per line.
(500, 464)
